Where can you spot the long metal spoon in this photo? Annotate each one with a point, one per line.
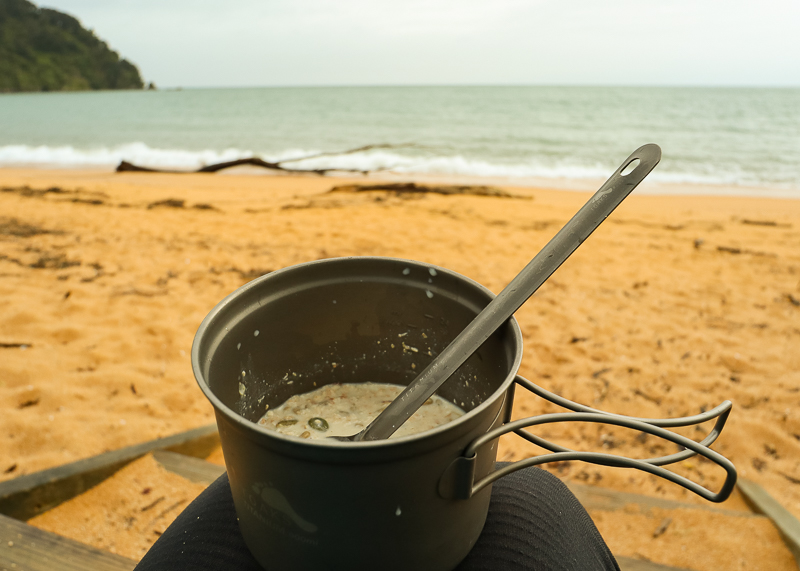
(502, 307)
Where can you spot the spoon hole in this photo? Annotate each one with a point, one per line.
(630, 167)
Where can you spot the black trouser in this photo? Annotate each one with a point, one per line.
(534, 523)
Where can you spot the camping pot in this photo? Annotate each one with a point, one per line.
(387, 504)
(413, 502)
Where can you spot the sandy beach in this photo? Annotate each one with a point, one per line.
(674, 305)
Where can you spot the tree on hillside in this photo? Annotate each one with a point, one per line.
(46, 50)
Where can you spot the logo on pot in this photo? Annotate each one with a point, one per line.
(275, 501)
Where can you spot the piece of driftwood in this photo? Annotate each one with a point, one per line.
(125, 166)
(27, 496)
(415, 188)
(167, 203)
(788, 525)
(766, 223)
(24, 547)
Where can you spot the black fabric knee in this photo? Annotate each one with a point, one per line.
(534, 523)
(204, 537)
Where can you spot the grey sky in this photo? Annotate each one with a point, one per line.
(372, 42)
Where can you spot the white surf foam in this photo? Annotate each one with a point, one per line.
(137, 153)
(376, 160)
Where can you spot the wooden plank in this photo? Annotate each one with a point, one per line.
(198, 443)
(26, 496)
(630, 564)
(788, 525)
(605, 499)
(193, 469)
(26, 548)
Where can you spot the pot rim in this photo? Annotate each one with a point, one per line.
(331, 443)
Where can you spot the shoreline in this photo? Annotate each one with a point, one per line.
(648, 187)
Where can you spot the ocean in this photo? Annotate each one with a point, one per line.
(747, 139)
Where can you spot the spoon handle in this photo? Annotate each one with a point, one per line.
(517, 292)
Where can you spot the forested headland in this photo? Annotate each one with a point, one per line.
(46, 50)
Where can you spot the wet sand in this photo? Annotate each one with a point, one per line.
(675, 304)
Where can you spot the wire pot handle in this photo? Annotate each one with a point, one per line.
(463, 468)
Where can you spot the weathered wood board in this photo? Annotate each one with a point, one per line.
(763, 503)
(193, 469)
(27, 548)
(597, 498)
(630, 564)
(26, 496)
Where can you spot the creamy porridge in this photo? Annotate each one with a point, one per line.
(346, 409)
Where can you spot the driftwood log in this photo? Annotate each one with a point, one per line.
(414, 188)
(125, 166)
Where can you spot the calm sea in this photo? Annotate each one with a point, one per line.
(741, 137)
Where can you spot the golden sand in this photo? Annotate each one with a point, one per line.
(695, 539)
(126, 513)
(675, 304)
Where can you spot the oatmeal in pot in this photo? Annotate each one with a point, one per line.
(347, 408)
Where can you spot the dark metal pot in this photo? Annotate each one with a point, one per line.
(417, 502)
(388, 504)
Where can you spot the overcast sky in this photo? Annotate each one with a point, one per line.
(213, 43)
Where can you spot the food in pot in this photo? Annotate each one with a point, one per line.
(347, 408)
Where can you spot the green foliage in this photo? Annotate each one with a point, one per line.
(47, 50)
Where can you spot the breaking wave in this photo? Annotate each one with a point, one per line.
(372, 160)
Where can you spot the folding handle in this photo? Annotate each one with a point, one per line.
(459, 479)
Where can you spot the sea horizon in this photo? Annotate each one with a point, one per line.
(424, 85)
